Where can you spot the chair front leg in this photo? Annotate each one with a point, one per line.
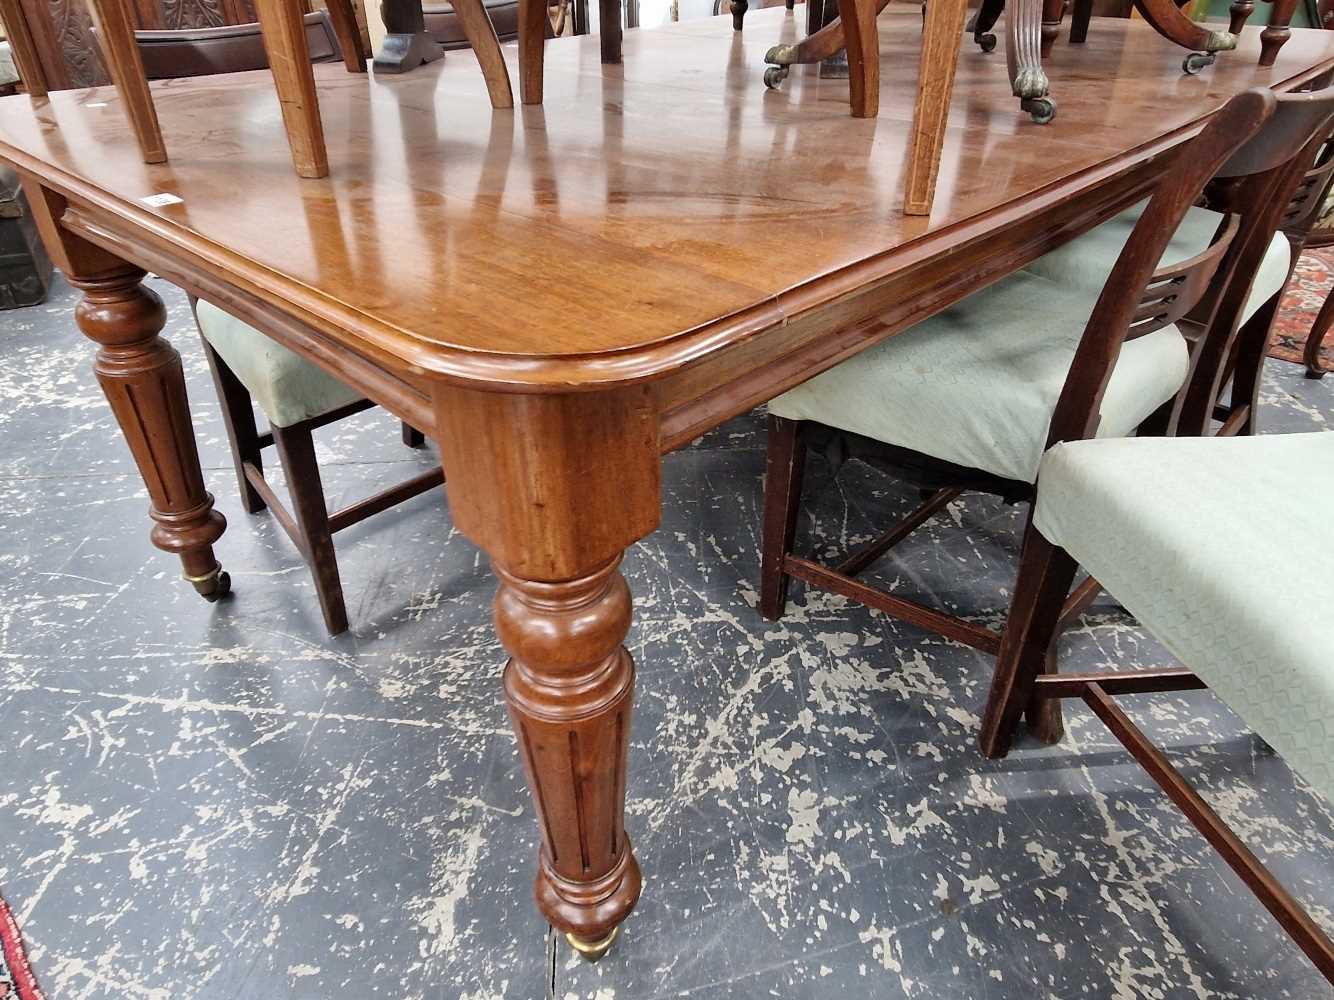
(1045, 574)
(784, 470)
(344, 19)
(1053, 11)
(296, 451)
(1311, 355)
(1277, 32)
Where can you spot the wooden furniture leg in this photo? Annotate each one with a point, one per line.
(1311, 355)
(143, 380)
(609, 31)
(1045, 575)
(1171, 22)
(863, 48)
(935, 87)
(739, 8)
(1240, 12)
(238, 418)
(1080, 15)
(406, 44)
(481, 35)
(554, 487)
(532, 48)
(988, 13)
(784, 469)
(1024, 46)
(344, 20)
(24, 47)
(1277, 31)
(116, 32)
(1052, 13)
(284, 34)
(817, 46)
(296, 451)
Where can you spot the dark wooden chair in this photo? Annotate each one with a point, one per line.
(965, 400)
(1158, 520)
(248, 368)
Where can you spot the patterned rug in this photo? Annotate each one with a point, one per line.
(1310, 284)
(16, 981)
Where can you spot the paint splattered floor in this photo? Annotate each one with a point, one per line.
(218, 802)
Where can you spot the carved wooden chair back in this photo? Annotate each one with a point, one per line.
(1253, 152)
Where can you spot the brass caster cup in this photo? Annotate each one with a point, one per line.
(592, 950)
(213, 585)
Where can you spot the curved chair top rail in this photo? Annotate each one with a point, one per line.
(1296, 119)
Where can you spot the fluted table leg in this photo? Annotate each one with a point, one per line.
(143, 380)
(554, 487)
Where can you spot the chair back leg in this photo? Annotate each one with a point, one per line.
(1045, 574)
(238, 416)
(296, 450)
(412, 437)
(784, 470)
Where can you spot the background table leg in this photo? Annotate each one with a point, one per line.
(116, 33)
(532, 48)
(141, 375)
(935, 88)
(406, 44)
(554, 487)
(862, 41)
(1277, 31)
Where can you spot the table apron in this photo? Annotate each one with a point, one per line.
(405, 398)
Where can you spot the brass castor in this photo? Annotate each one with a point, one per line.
(593, 950)
(986, 41)
(774, 75)
(1041, 109)
(1196, 61)
(212, 586)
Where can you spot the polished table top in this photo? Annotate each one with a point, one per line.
(645, 213)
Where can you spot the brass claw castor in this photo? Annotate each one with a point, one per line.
(593, 950)
(774, 75)
(1196, 61)
(986, 41)
(213, 585)
(1042, 109)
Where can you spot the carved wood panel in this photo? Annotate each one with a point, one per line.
(62, 30)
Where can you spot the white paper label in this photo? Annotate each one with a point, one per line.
(161, 200)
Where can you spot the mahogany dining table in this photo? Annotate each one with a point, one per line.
(560, 294)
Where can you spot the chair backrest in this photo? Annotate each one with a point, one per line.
(231, 48)
(1255, 150)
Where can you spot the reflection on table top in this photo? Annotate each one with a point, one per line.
(639, 203)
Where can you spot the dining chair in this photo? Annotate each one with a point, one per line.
(969, 399)
(296, 398)
(248, 368)
(283, 30)
(1221, 548)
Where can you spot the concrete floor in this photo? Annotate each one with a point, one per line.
(219, 802)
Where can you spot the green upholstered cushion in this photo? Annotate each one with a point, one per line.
(1087, 260)
(287, 387)
(1223, 548)
(977, 383)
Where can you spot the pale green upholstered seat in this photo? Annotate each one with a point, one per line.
(977, 383)
(1223, 548)
(1087, 260)
(288, 388)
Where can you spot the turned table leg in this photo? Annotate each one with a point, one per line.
(406, 44)
(141, 375)
(554, 487)
(1277, 31)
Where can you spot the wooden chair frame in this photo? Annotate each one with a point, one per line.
(309, 524)
(1136, 300)
(1271, 168)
